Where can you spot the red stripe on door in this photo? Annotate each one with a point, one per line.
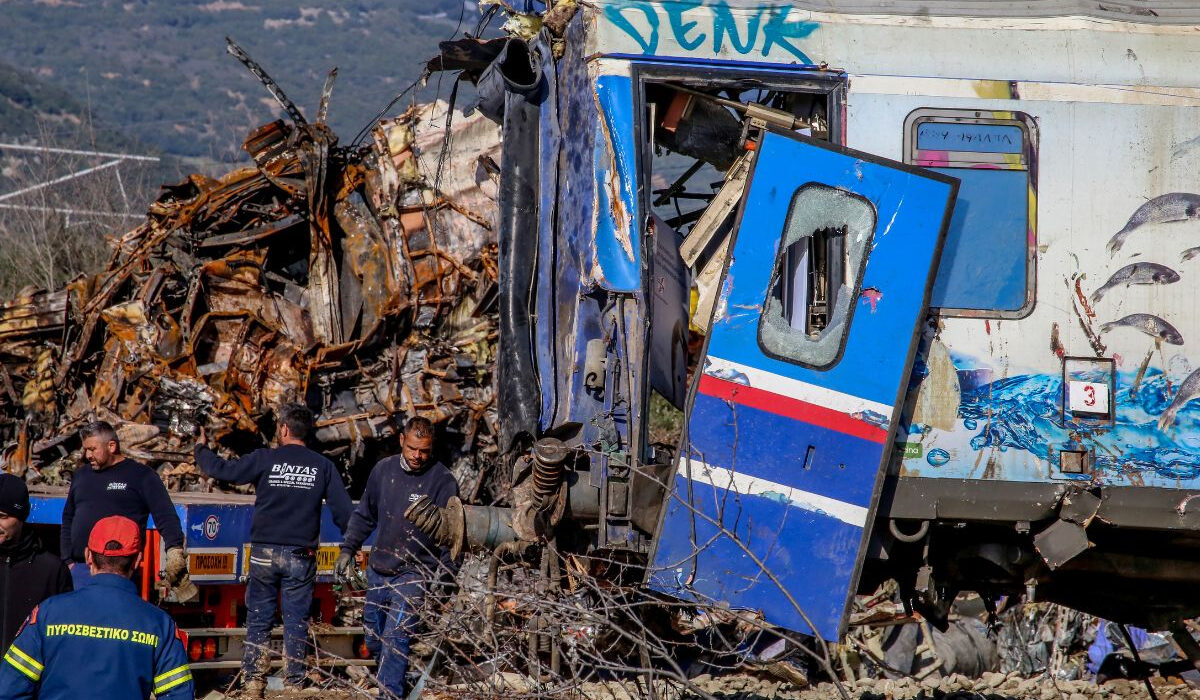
(791, 408)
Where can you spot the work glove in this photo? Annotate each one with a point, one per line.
(175, 566)
(344, 565)
(175, 573)
(425, 514)
(346, 571)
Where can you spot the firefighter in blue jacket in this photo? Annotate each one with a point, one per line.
(102, 641)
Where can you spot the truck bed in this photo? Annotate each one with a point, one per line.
(216, 528)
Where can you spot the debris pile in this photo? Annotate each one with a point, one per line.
(361, 281)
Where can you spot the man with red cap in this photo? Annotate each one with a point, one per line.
(102, 641)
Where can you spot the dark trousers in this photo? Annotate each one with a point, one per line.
(276, 569)
(390, 617)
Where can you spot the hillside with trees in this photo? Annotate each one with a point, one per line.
(157, 71)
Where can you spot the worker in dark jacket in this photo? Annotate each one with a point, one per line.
(102, 642)
(290, 482)
(28, 573)
(117, 485)
(404, 560)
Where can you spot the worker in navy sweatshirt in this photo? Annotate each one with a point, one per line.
(290, 482)
(403, 560)
(117, 485)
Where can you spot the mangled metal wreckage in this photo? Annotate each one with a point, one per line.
(316, 275)
(715, 317)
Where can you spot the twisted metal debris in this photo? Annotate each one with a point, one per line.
(361, 281)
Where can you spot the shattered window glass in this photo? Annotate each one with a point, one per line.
(822, 253)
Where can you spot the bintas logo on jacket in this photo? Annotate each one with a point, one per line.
(295, 476)
(116, 486)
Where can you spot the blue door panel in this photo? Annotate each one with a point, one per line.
(776, 484)
(803, 549)
(750, 453)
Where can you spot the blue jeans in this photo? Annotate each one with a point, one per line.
(390, 617)
(276, 568)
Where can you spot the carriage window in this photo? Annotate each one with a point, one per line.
(818, 270)
(987, 265)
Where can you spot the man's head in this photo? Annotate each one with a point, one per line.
(101, 448)
(14, 507)
(293, 423)
(416, 442)
(114, 546)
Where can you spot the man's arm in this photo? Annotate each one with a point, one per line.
(63, 583)
(159, 503)
(447, 488)
(68, 517)
(245, 470)
(365, 516)
(339, 501)
(172, 677)
(21, 670)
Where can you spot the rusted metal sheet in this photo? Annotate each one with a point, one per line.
(360, 281)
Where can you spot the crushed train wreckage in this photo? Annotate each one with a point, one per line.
(361, 280)
(393, 277)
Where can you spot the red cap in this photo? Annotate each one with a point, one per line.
(119, 529)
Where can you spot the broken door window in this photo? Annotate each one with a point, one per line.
(817, 274)
(814, 268)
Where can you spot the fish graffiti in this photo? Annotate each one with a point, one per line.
(1023, 413)
(1167, 208)
(1189, 254)
(1158, 328)
(1188, 390)
(1137, 273)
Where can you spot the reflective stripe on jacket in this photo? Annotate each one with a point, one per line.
(101, 642)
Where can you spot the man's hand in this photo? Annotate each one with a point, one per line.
(202, 438)
(175, 574)
(175, 566)
(425, 514)
(344, 567)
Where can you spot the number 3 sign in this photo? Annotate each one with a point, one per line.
(1087, 397)
(1089, 385)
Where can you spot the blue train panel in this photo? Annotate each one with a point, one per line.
(809, 350)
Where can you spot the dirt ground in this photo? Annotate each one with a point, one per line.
(992, 686)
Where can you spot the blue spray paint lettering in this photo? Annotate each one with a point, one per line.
(725, 23)
(779, 30)
(680, 28)
(745, 31)
(649, 43)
